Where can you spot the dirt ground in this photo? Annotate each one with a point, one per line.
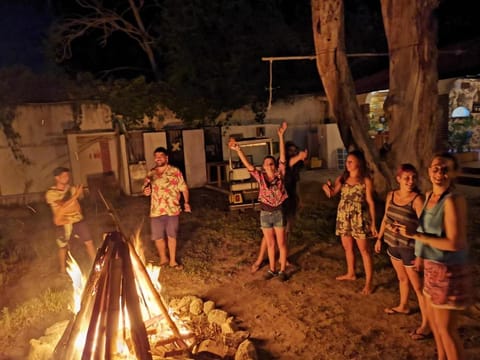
(311, 316)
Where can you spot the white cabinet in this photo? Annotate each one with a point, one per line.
(329, 142)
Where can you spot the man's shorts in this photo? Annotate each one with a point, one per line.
(161, 225)
(404, 254)
(271, 219)
(66, 233)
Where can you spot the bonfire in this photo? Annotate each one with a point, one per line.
(121, 314)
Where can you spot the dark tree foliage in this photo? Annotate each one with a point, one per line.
(213, 51)
(209, 52)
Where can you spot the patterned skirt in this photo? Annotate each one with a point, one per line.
(447, 286)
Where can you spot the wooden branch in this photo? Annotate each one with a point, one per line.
(314, 57)
(136, 260)
(103, 19)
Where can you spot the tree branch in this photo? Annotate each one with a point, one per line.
(108, 21)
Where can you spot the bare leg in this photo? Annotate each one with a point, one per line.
(446, 324)
(367, 264)
(269, 236)
(417, 285)
(92, 252)
(282, 247)
(160, 244)
(261, 255)
(172, 250)
(62, 257)
(403, 285)
(441, 355)
(347, 243)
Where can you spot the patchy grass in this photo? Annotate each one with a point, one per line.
(31, 312)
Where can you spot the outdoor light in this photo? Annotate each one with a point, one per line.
(460, 112)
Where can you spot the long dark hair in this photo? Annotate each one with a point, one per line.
(362, 165)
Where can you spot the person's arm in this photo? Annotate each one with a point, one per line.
(418, 204)
(147, 187)
(371, 204)
(331, 190)
(186, 199)
(235, 147)
(455, 238)
(378, 244)
(147, 183)
(301, 156)
(70, 204)
(418, 207)
(281, 143)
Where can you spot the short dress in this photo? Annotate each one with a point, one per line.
(353, 218)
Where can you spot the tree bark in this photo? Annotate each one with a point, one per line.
(332, 65)
(412, 102)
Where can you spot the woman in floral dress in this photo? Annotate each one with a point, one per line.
(355, 215)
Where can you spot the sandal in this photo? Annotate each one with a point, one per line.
(393, 311)
(177, 267)
(270, 274)
(414, 335)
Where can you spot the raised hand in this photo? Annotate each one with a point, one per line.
(303, 154)
(78, 190)
(283, 127)
(232, 144)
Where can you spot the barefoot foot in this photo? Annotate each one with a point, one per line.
(346, 277)
(255, 267)
(367, 290)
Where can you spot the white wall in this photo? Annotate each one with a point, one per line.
(43, 142)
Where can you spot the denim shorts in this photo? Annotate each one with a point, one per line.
(404, 254)
(164, 224)
(271, 219)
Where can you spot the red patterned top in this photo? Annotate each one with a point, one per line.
(271, 193)
(166, 192)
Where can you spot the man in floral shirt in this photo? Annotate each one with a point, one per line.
(165, 185)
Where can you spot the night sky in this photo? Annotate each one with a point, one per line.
(22, 33)
(24, 24)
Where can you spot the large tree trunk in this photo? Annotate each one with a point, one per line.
(411, 105)
(332, 64)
